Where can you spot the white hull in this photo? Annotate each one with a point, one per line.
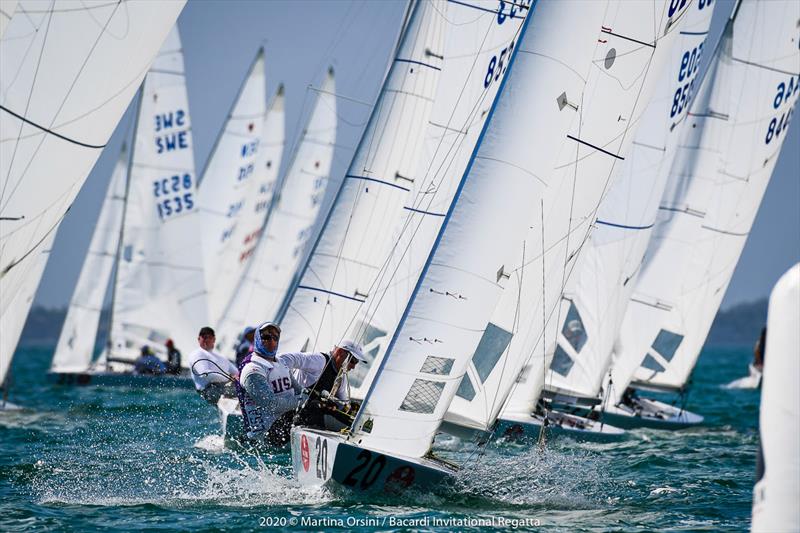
(326, 458)
(647, 413)
(518, 427)
(230, 417)
(122, 379)
(8, 406)
(751, 381)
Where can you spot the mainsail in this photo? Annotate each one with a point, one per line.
(716, 185)
(478, 36)
(67, 73)
(357, 233)
(599, 292)
(463, 279)
(159, 289)
(228, 189)
(6, 12)
(290, 222)
(76, 342)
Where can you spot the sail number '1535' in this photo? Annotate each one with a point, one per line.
(176, 192)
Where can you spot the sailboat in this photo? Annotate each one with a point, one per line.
(65, 86)
(158, 289)
(597, 292)
(717, 181)
(777, 487)
(289, 224)
(388, 445)
(508, 369)
(237, 187)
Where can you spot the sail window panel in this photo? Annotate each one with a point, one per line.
(423, 396)
(437, 365)
(573, 330)
(650, 363)
(493, 343)
(561, 363)
(466, 390)
(667, 343)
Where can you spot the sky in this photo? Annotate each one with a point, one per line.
(301, 39)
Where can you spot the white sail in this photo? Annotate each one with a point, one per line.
(777, 488)
(626, 60)
(160, 290)
(228, 192)
(68, 70)
(289, 225)
(606, 271)
(13, 320)
(357, 234)
(76, 342)
(6, 12)
(463, 279)
(716, 185)
(479, 36)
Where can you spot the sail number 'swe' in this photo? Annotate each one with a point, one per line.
(170, 141)
(784, 96)
(174, 195)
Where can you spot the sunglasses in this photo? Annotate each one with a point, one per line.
(270, 337)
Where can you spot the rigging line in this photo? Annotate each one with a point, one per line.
(343, 97)
(544, 329)
(35, 246)
(51, 132)
(609, 32)
(765, 67)
(27, 106)
(595, 147)
(414, 62)
(63, 101)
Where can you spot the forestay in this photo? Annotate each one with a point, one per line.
(282, 245)
(67, 72)
(480, 38)
(777, 488)
(458, 289)
(606, 271)
(160, 290)
(715, 188)
(76, 342)
(357, 234)
(256, 208)
(228, 190)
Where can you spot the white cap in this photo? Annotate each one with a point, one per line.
(354, 348)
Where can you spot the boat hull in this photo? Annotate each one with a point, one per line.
(558, 425)
(120, 379)
(325, 458)
(651, 414)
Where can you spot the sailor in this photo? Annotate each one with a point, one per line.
(212, 374)
(245, 345)
(324, 375)
(266, 390)
(148, 363)
(173, 358)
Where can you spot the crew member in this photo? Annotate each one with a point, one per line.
(324, 375)
(173, 358)
(211, 372)
(148, 363)
(245, 345)
(266, 390)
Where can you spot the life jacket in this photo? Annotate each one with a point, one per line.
(257, 419)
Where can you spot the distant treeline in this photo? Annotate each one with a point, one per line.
(739, 325)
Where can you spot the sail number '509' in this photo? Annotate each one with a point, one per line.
(176, 198)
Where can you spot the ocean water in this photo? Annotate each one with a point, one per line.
(93, 459)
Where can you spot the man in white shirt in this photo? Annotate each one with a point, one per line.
(325, 375)
(209, 369)
(267, 393)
